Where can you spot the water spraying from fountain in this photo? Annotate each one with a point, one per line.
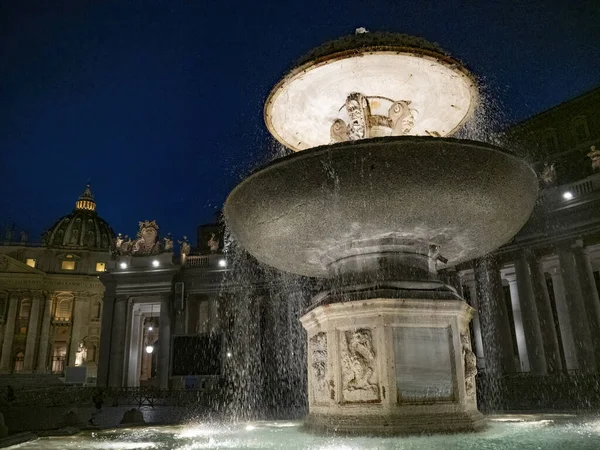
(377, 199)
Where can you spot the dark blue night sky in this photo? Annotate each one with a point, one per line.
(159, 104)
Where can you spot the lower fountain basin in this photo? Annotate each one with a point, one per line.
(307, 212)
(530, 432)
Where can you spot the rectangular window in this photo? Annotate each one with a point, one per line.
(31, 262)
(581, 130)
(100, 267)
(68, 265)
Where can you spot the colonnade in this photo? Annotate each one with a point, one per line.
(537, 314)
(29, 330)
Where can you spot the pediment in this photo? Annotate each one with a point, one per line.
(10, 265)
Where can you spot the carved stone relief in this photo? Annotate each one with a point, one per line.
(318, 350)
(364, 124)
(470, 361)
(359, 366)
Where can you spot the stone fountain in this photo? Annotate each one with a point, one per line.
(377, 198)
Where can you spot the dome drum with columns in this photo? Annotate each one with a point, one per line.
(82, 228)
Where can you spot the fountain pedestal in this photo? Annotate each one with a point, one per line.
(391, 366)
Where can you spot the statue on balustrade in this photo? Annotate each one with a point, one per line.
(145, 243)
(213, 243)
(184, 247)
(594, 155)
(548, 174)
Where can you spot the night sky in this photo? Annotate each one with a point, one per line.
(159, 104)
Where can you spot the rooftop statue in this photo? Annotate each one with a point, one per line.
(594, 155)
(548, 174)
(146, 242)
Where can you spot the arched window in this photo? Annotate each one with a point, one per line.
(19, 362)
(92, 352)
(579, 125)
(63, 309)
(550, 141)
(96, 310)
(25, 309)
(59, 357)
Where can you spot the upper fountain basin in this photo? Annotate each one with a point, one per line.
(431, 92)
(304, 212)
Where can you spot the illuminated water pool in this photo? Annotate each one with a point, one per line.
(507, 432)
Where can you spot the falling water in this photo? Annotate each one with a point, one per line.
(265, 344)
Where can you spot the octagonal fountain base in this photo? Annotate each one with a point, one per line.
(389, 366)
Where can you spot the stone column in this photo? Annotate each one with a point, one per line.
(117, 342)
(529, 313)
(164, 338)
(108, 303)
(133, 369)
(575, 306)
(589, 292)
(78, 320)
(42, 360)
(9, 333)
(564, 321)
(495, 326)
(32, 333)
(468, 278)
(545, 315)
(515, 302)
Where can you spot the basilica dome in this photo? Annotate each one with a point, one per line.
(82, 229)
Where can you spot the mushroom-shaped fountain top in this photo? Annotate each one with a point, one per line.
(370, 85)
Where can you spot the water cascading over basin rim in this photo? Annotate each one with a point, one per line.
(378, 198)
(304, 212)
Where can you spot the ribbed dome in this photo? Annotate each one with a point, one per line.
(82, 229)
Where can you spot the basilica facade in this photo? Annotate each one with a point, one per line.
(51, 296)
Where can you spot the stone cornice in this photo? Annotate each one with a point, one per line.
(52, 282)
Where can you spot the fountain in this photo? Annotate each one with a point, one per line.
(377, 197)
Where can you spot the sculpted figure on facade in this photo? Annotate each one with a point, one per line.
(184, 247)
(213, 243)
(594, 155)
(359, 377)
(548, 174)
(168, 243)
(470, 361)
(126, 245)
(399, 120)
(24, 237)
(318, 349)
(145, 243)
(146, 238)
(119, 242)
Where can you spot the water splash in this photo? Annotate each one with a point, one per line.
(265, 344)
